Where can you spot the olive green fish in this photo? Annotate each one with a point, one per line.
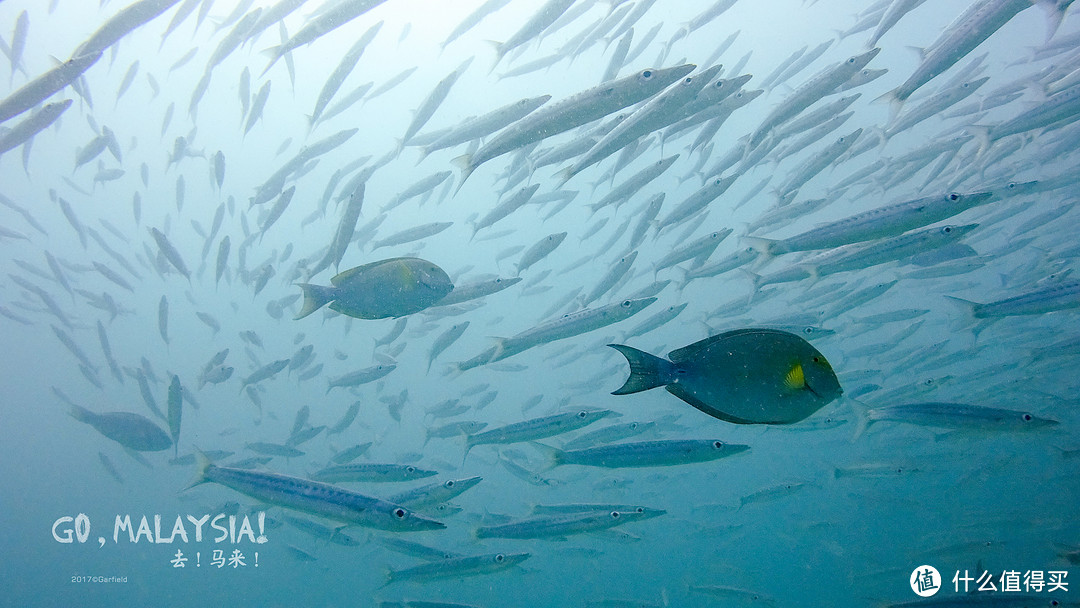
(388, 288)
(129, 430)
(745, 376)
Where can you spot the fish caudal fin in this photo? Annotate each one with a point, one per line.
(81, 413)
(202, 465)
(646, 371)
(553, 456)
(863, 418)
(464, 163)
(315, 297)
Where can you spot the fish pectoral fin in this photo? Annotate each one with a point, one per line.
(795, 379)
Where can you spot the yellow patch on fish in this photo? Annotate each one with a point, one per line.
(795, 378)
(407, 275)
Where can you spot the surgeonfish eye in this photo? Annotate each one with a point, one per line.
(499, 558)
(815, 359)
(399, 513)
(954, 196)
(449, 483)
(582, 414)
(718, 445)
(646, 75)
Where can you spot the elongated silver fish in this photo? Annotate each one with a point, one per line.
(890, 220)
(559, 526)
(42, 87)
(315, 498)
(32, 125)
(456, 567)
(574, 111)
(536, 428)
(435, 493)
(371, 472)
(566, 326)
(264, 372)
(175, 411)
(360, 376)
(659, 453)
(330, 19)
(955, 416)
(1052, 297)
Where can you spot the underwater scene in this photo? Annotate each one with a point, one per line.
(539, 303)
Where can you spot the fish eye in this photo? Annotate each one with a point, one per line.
(449, 483)
(840, 140)
(946, 230)
(647, 74)
(615, 514)
(954, 197)
(851, 60)
(816, 359)
(719, 84)
(626, 303)
(582, 414)
(499, 280)
(499, 558)
(1027, 417)
(639, 510)
(718, 444)
(399, 513)
(809, 330)
(410, 469)
(633, 426)
(688, 80)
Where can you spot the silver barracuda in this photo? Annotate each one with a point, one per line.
(316, 498)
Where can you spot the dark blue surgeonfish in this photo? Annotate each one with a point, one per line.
(745, 376)
(389, 288)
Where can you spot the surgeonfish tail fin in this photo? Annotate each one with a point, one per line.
(202, 465)
(80, 413)
(646, 371)
(315, 297)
